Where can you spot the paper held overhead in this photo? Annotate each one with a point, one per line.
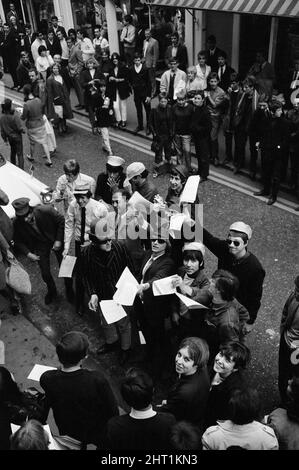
(189, 302)
(112, 311)
(164, 286)
(190, 190)
(67, 266)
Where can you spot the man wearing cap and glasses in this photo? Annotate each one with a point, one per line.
(82, 211)
(102, 263)
(111, 180)
(137, 178)
(233, 256)
(37, 232)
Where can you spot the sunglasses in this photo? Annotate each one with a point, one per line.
(233, 242)
(103, 242)
(159, 240)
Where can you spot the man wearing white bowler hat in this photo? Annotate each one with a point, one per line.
(233, 256)
(111, 180)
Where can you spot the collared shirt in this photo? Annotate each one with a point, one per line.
(149, 263)
(65, 50)
(64, 189)
(94, 210)
(143, 414)
(145, 46)
(138, 69)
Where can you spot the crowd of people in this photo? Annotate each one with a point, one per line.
(196, 103)
(196, 328)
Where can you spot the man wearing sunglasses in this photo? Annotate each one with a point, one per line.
(102, 263)
(233, 256)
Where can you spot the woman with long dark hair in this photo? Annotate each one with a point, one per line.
(58, 99)
(119, 89)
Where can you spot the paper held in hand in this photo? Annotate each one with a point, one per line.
(139, 201)
(38, 370)
(112, 311)
(127, 287)
(164, 286)
(67, 266)
(189, 302)
(190, 190)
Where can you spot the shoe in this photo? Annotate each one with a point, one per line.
(53, 153)
(94, 130)
(252, 176)
(236, 171)
(16, 308)
(49, 297)
(155, 174)
(271, 200)
(106, 348)
(124, 356)
(49, 164)
(226, 161)
(31, 159)
(123, 124)
(262, 192)
(79, 106)
(138, 129)
(148, 131)
(202, 180)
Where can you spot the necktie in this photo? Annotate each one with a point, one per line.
(147, 266)
(83, 221)
(171, 86)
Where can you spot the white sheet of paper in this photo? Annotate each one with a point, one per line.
(126, 277)
(112, 311)
(38, 370)
(189, 302)
(190, 190)
(137, 200)
(125, 294)
(67, 266)
(141, 337)
(164, 286)
(53, 445)
(176, 221)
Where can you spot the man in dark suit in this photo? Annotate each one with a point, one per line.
(177, 50)
(55, 26)
(150, 57)
(53, 43)
(213, 53)
(139, 81)
(37, 232)
(10, 48)
(224, 71)
(28, 40)
(152, 310)
(23, 70)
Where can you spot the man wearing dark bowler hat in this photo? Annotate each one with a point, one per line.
(38, 231)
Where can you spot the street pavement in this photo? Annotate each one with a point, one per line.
(275, 243)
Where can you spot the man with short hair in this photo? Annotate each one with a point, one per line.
(64, 48)
(10, 51)
(182, 113)
(39, 41)
(264, 73)
(38, 231)
(177, 50)
(53, 44)
(75, 67)
(173, 81)
(35, 83)
(233, 256)
(56, 27)
(224, 71)
(142, 428)
(100, 43)
(128, 39)
(288, 362)
(140, 83)
(213, 53)
(82, 400)
(23, 70)
(150, 57)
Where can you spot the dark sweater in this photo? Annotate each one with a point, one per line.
(200, 125)
(82, 402)
(103, 190)
(182, 118)
(248, 270)
(148, 190)
(127, 433)
(11, 126)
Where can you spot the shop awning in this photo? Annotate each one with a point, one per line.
(289, 8)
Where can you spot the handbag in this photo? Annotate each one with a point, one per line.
(17, 278)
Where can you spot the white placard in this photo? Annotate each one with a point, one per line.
(164, 286)
(136, 200)
(125, 295)
(190, 303)
(38, 370)
(176, 221)
(190, 190)
(126, 277)
(112, 311)
(67, 266)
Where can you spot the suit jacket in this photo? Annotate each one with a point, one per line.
(212, 60)
(179, 82)
(23, 75)
(75, 61)
(140, 82)
(225, 78)
(59, 28)
(85, 78)
(181, 55)
(54, 90)
(123, 88)
(152, 53)
(156, 307)
(54, 47)
(49, 222)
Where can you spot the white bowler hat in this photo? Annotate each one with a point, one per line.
(113, 160)
(195, 246)
(134, 169)
(242, 227)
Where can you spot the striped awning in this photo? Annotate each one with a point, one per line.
(289, 8)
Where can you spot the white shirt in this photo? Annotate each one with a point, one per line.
(87, 49)
(142, 414)
(138, 68)
(65, 50)
(102, 42)
(220, 73)
(34, 48)
(64, 189)
(94, 210)
(43, 63)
